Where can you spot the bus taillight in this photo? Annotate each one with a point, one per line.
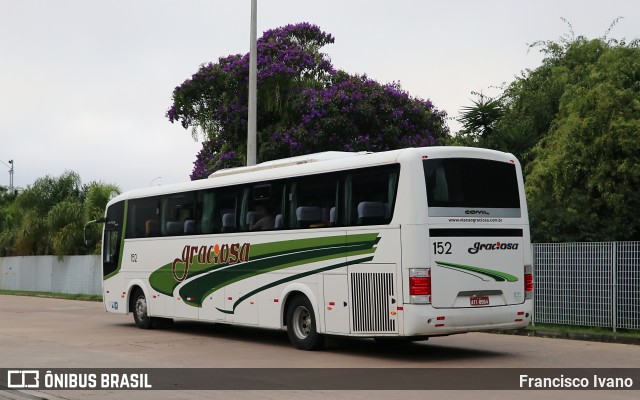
(420, 285)
(528, 282)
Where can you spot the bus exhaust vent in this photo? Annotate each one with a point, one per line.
(372, 298)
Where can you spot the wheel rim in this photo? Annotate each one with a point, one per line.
(301, 322)
(141, 308)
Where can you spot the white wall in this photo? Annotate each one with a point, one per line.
(74, 274)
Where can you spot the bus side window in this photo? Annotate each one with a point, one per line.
(178, 214)
(370, 195)
(262, 207)
(144, 218)
(312, 199)
(281, 202)
(226, 212)
(111, 246)
(440, 188)
(204, 211)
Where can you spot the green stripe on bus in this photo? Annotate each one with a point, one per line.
(201, 287)
(496, 275)
(286, 246)
(293, 278)
(162, 279)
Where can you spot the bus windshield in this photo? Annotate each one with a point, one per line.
(471, 183)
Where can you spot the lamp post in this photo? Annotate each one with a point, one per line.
(10, 175)
(253, 72)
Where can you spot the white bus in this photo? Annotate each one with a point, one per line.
(404, 244)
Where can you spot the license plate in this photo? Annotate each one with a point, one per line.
(480, 301)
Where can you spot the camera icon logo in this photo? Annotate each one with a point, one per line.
(23, 379)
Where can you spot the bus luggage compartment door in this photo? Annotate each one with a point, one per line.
(336, 304)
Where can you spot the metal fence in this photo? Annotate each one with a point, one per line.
(587, 284)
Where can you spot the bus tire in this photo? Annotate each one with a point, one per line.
(301, 324)
(140, 310)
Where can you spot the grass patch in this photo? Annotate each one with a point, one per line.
(586, 330)
(67, 296)
(588, 333)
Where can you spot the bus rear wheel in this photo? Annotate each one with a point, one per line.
(301, 324)
(140, 310)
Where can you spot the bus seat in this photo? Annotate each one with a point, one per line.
(252, 217)
(332, 216)
(371, 212)
(228, 222)
(189, 227)
(151, 228)
(308, 215)
(279, 222)
(174, 228)
(326, 215)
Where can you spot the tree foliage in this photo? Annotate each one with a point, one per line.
(584, 174)
(478, 121)
(574, 122)
(48, 217)
(304, 105)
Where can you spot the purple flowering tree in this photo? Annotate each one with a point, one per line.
(304, 105)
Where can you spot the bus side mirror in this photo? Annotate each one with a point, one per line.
(88, 232)
(88, 237)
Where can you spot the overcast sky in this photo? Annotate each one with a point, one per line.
(84, 85)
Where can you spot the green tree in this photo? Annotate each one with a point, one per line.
(574, 124)
(584, 176)
(532, 101)
(528, 107)
(48, 217)
(65, 222)
(478, 122)
(34, 205)
(480, 118)
(7, 216)
(97, 196)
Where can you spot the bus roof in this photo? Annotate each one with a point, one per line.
(286, 162)
(329, 161)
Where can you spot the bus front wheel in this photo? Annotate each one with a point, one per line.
(140, 310)
(301, 324)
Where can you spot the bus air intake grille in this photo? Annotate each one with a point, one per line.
(371, 294)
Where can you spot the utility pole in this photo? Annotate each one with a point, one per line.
(10, 174)
(11, 177)
(253, 101)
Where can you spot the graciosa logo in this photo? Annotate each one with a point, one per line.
(209, 256)
(477, 246)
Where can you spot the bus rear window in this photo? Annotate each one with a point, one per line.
(471, 183)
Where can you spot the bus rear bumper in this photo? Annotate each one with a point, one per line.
(423, 319)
